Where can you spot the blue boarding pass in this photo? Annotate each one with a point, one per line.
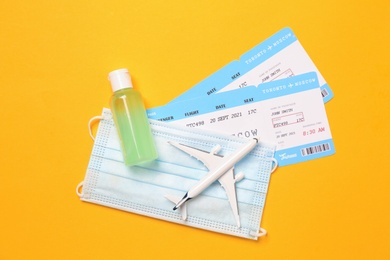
(289, 112)
(278, 57)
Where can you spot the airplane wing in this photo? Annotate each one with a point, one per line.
(210, 160)
(228, 180)
(228, 183)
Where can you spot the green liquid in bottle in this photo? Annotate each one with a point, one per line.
(132, 124)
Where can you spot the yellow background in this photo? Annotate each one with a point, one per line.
(54, 61)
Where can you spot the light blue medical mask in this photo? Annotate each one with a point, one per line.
(142, 189)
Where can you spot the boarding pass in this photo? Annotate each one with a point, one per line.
(289, 112)
(278, 57)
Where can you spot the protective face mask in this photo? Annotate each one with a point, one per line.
(144, 189)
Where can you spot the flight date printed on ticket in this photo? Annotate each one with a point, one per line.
(298, 124)
(289, 112)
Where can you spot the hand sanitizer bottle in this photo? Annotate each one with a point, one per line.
(130, 119)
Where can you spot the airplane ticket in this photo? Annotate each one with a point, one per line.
(289, 112)
(278, 57)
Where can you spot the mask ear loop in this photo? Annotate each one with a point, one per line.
(93, 119)
(275, 165)
(90, 125)
(80, 194)
(262, 233)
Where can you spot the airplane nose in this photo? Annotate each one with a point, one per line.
(183, 200)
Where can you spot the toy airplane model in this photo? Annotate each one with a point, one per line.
(220, 168)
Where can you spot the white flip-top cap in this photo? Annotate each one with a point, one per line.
(120, 79)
